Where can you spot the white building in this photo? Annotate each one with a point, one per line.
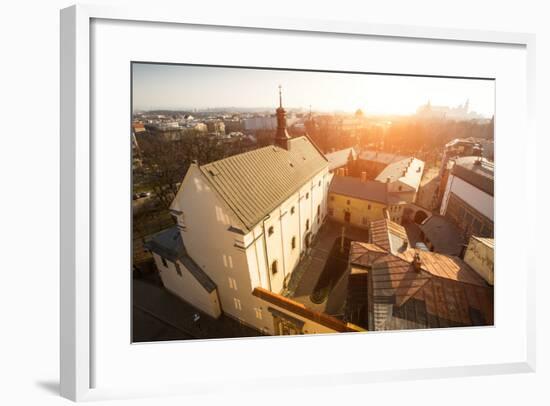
(468, 198)
(403, 178)
(244, 223)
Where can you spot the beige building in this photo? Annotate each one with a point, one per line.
(480, 255)
(360, 201)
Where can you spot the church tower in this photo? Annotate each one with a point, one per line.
(281, 137)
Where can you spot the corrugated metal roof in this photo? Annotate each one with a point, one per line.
(355, 187)
(254, 183)
(169, 245)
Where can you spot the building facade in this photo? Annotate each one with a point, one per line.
(468, 199)
(358, 201)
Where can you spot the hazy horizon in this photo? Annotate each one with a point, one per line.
(189, 87)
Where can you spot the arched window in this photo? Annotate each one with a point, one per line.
(292, 210)
(307, 195)
(307, 224)
(274, 269)
(318, 209)
(270, 231)
(293, 242)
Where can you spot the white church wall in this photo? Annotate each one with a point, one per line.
(185, 286)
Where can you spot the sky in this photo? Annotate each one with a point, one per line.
(157, 86)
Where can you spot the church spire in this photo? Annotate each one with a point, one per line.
(281, 137)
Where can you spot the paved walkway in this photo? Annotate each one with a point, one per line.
(305, 277)
(176, 315)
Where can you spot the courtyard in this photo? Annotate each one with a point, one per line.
(320, 281)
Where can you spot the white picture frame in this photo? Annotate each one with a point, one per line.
(77, 323)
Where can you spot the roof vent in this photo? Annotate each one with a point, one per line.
(417, 263)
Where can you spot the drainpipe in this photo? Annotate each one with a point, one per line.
(265, 252)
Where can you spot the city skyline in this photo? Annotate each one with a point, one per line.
(189, 87)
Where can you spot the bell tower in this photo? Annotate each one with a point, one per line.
(281, 137)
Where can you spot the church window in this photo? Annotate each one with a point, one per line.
(274, 269)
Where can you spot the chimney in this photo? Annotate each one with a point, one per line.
(417, 263)
(363, 176)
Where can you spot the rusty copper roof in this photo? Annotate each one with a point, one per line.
(444, 291)
(296, 308)
(382, 231)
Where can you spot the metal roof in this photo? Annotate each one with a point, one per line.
(254, 183)
(340, 158)
(489, 242)
(478, 172)
(296, 308)
(169, 245)
(380, 157)
(355, 187)
(444, 292)
(445, 237)
(408, 171)
(388, 235)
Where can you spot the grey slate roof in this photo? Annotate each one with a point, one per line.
(169, 245)
(479, 173)
(354, 187)
(254, 183)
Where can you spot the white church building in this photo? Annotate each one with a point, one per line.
(243, 224)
